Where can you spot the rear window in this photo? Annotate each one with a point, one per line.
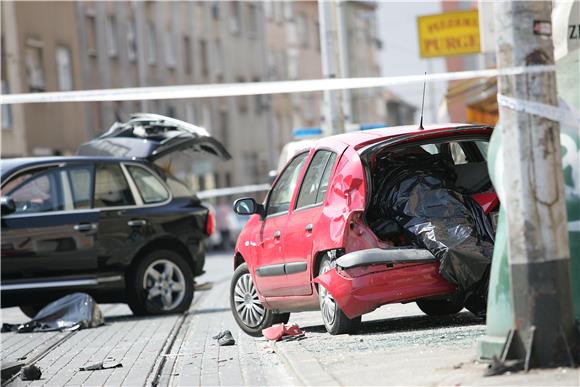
(150, 187)
(111, 188)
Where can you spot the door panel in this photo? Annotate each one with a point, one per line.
(303, 224)
(46, 236)
(298, 244)
(270, 252)
(48, 245)
(269, 280)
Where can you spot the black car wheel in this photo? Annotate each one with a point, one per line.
(161, 283)
(443, 307)
(248, 311)
(335, 321)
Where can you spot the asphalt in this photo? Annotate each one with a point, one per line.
(397, 345)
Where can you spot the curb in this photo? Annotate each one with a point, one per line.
(302, 365)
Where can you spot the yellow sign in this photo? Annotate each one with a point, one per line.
(447, 34)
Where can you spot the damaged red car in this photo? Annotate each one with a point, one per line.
(364, 219)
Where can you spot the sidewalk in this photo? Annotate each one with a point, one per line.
(399, 345)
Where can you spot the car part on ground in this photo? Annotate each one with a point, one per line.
(284, 333)
(335, 321)
(416, 193)
(71, 312)
(160, 283)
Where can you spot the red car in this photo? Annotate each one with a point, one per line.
(318, 242)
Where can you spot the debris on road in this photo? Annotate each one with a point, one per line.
(71, 312)
(203, 286)
(281, 332)
(103, 365)
(9, 369)
(30, 372)
(225, 338)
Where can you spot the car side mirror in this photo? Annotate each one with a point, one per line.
(248, 206)
(7, 204)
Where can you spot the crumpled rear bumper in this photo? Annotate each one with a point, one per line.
(362, 288)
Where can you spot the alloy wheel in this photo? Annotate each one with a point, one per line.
(247, 303)
(164, 282)
(327, 302)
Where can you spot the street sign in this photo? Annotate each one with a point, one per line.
(448, 34)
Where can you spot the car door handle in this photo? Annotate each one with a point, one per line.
(83, 227)
(277, 235)
(309, 227)
(137, 223)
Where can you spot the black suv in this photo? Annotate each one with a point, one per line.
(110, 222)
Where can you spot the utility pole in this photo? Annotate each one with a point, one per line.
(539, 260)
(329, 51)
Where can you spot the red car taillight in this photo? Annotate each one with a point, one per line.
(210, 223)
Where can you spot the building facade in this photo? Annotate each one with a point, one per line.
(82, 45)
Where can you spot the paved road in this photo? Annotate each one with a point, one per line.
(397, 345)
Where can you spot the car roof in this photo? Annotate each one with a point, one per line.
(8, 166)
(367, 137)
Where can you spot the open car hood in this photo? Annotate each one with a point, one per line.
(151, 136)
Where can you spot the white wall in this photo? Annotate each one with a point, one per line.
(400, 54)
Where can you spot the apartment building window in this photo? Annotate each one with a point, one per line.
(6, 109)
(218, 57)
(268, 9)
(242, 99)
(235, 17)
(131, 41)
(169, 49)
(288, 10)
(111, 30)
(303, 30)
(64, 68)
(187, 55)
(278, 11)
(34, 65)
(252, 20)
(223, 128)
(203, 58)
(151, 43)
(259, 99)
(215, 10)
(292, 63)
(317, 35)
(91, 31)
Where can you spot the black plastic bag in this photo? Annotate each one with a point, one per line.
(415, 196)
(71, 312)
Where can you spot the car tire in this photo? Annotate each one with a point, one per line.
(160, 283)
(335, 321)
(442, 307)
(249, 313)
(31, 310)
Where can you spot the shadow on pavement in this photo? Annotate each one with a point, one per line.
(409, 323)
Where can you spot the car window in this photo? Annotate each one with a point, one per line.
(149, 186)
(111, 188)
(80, 179)
(325, 179)
(311, 184)
(35, 192)
(281, 194)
